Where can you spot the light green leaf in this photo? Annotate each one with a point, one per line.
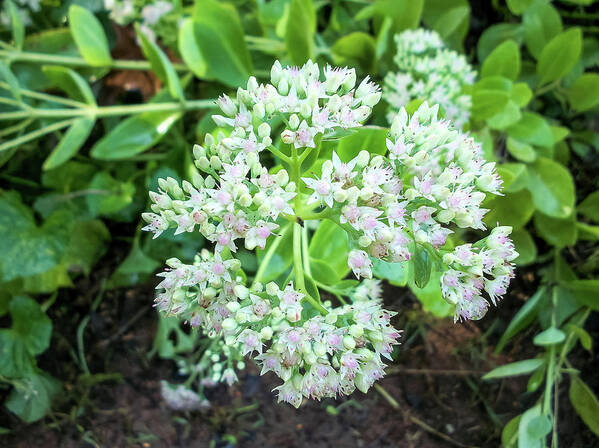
(526, 439)
(277, 256)
(322, 272)
(508, 116)
(161, 65)
(494, 35)
(532, 129)
(514, 369)
(355, 49)
(503, 61)
(585, 403)
(521, 94)
(117, 196)
(431, 298)
(70, 82)
(11, 80)
(33, 398)
(557, 232)
(490, 96)
(330, 243)
(509, 435)
(541, 23)
(213, 45)
(18, 29)
(89, 36)
(70, 143)
(525, 246)
(584, 292)
(299, 35)
(134, 135)
(521, 151)
(559, 56)
(395, 273)
(589, 207)
(552, 188)
(422, 263)
(370, 138)
(551, 336)
(31, 324)
(502, 210)
(584, 93)
(518, 6)
(451, 21)
(514, 176)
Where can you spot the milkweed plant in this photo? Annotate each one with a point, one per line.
(427, 69)
(262, 171)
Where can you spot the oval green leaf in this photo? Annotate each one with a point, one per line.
(89, 36)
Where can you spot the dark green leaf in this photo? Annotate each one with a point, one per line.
(33, 398)
(277, 256)
(395, 273)
(423, 265)
(589, 207)
(16, 358)
(18, 29)
(112, 196)
(358, 49)
(584, 292)
(89, 36)
(323, 273)
(525, 246)
(11, 80)
(494, 35)
(541, 23)
(31, 324)
(431, 298)
(557, 232)
(299, 35)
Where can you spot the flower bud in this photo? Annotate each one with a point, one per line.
(282, 177)
(198, 151)
(362, 159)
(215, 163)
(227, 106)
(340, 195)
(350, 80)
(266, 333)
(364, 241)
(320, 349)
(272, 289)
(305, 110)
(252, 84)
(349, 342)
(203, 163)
(221, 121)
(288, 136)
(276, 73)
(356, 331)
(264, 130)
(259, 110)
(283, 87)
(241, 291)
(294, 121)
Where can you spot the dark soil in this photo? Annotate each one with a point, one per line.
(434, 384)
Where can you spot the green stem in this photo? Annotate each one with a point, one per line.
(306, 255)
(269, 254)
(76, 61)
(36, 134)
(297, 258)
(333, 291)
(45, 96)
(279, 154)
(107, 111)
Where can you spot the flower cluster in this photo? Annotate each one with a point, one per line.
(433, 178)
(149, 14)
(180, 398)
(430, 72)
(474, 269)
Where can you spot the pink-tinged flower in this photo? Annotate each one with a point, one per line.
(360, 263)
(423, 215)
(304, 136)
(289, 394)
(249, 341)
(156, 223)
(344, 172)
(323, 188)
(396, 213)
(258, 234)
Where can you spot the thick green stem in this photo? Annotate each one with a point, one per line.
(298, 268)
(107, 111)
(269, 254)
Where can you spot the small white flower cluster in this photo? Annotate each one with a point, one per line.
(474, 269)
(23, 8)
(180, 398)
(124, 12)
(433, 176)
(430, 72)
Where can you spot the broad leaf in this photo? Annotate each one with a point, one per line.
(70, 143)
(89, 36)
(299, 35)
(514, 369)
(585, 403)
(559, 56)
(552, 188)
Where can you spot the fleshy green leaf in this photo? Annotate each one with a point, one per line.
(585, 403)
(422, 262)
(526, 438)
(31, 324)
(521, 151)
(559, 56)
(431, 298)
(589, 207)
(134, 135)
(532, 129)
(161, 65)
(18, 29)
(33, 398)
(89, 36)
(299, 35)
(552, 188)
(356, 48)
(557, 232)
(70, 82)
(395, 273)
(525, 246)
(551, 336)
(330, 243)
(541, 23)
(503, 61)
(514, 369)
(11, 80)
(70, 143)
(584, 93)
(495, 35)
